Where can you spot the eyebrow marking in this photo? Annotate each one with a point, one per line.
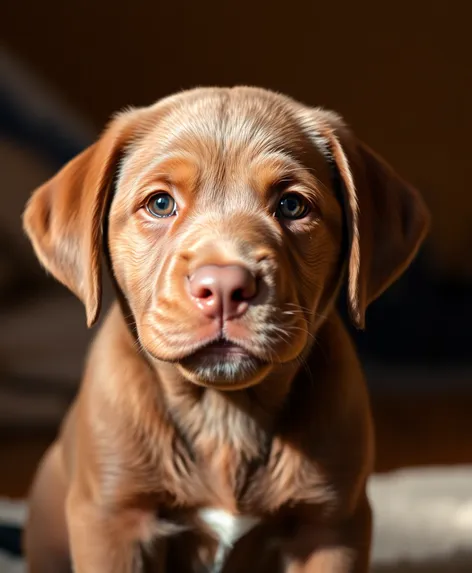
(282, 171)
(165, 162)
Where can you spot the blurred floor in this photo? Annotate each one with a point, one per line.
(411, 431)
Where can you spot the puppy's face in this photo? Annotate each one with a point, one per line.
(224, 236)
(225, 227)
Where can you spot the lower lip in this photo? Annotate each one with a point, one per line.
(224, 350)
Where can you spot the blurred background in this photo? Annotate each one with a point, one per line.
(400, 74)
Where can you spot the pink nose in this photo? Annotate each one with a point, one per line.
(224, 291)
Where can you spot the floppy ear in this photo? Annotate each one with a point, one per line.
(386, 216)
(63, 219)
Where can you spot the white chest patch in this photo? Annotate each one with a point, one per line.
(227, 528)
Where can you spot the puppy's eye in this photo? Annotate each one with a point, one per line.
(161, 205)
(292, 206)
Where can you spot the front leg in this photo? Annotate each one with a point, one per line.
(340, 548)
(103, 541)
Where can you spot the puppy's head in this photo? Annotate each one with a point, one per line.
(227, 211)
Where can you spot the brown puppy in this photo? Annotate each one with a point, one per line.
(223, 422)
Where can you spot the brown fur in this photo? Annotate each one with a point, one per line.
(151, 439)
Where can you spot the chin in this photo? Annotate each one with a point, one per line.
(232, 372)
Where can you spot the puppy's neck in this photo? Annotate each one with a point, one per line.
(212, 418)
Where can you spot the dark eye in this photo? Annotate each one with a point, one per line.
(292, 206)
(161, 205)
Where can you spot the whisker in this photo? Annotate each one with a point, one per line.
(306, 368)
(304, 330)
(298, 306)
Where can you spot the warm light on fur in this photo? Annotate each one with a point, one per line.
(155, 436)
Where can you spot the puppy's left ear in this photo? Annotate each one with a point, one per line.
(64, 217)
(386, 216)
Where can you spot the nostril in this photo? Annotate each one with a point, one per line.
(238, 295)
(202, 292)
(205, 293)
(201, 287)
(246, 292)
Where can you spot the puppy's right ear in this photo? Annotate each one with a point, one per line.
(64, 217)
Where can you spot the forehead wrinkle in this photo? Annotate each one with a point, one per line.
(266, 121)
(249, 142)
(255, 134)
(221, 123)
(196, 123)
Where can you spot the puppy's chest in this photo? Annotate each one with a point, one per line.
(243, 479)
(234, 497)
(217, 474)
(221, 490)
(218, 511)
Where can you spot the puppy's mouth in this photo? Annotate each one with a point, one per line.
(232, 358)
(223, 364)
